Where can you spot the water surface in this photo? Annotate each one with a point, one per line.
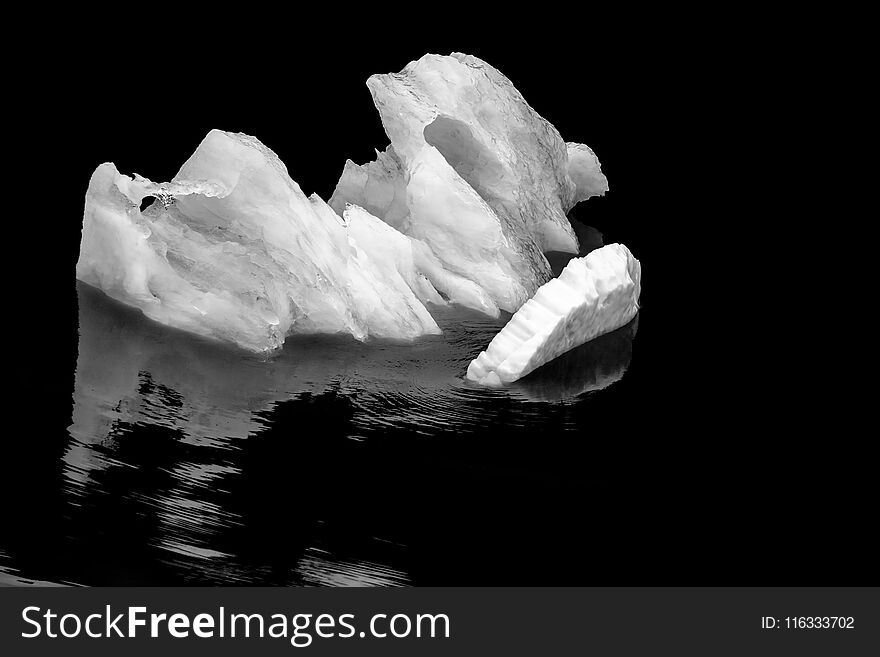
(330, 463)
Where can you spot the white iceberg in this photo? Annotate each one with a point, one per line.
(474, 173)
(594, 295)
(234, 250)
(460, 208)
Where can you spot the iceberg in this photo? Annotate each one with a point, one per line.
(232, 249)
(460, 208)
(474, 173)
(592, 296)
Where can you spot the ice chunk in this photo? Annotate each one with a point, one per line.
(585, 173)
(236, 251)
(474, 173)
(594, 295)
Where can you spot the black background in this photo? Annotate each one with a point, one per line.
(697, 479)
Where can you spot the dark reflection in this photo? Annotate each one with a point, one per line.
(585, 369)
(207, 458)
(330, 463)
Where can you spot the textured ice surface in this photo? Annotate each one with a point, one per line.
(459, 208)
(234, 250)
(474, 173)
(584, 171)
(594, 295)
(379, 187)
(428, 201)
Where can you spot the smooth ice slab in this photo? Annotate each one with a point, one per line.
(594, 295)
(232, 249)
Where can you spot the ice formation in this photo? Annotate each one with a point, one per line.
(474, 173)
(234, 250)
(594, 295)
(460, 208)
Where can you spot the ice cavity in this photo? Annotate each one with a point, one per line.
(593, 295)
(234, 250)
(474, 173)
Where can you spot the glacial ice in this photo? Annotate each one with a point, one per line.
(594, 295)
(460, 208)
(235, 251)
(474, 173)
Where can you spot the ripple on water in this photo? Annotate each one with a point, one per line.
(149, 398)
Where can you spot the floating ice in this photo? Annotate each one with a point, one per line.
(594, 295)
(473, 172)
(460, 208)
(236, 251)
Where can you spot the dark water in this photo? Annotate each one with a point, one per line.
(331, 463)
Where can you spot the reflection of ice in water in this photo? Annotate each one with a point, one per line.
(10, 576)
(590, 367)
(317, 568)
(148, 399)
(131, 368)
